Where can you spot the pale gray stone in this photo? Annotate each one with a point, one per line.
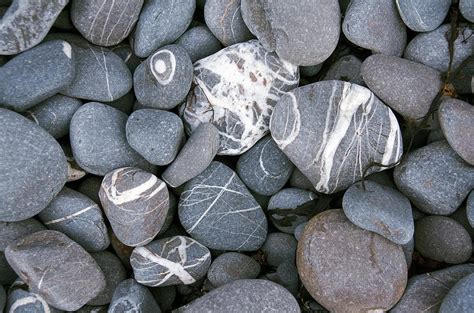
(467, 9)
(21, 300)
(130, 296)
(423, 16)
(232, 266)
(461, 297)
(199, 42)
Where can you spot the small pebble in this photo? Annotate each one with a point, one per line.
(422, 16)
(199, 42)
(232, 266)
(460, 298)
(130, 296)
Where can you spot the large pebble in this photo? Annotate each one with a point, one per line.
(466, 7)
(279, 248)
(34, 168)
(232, 266)
(216, 209)
(21, 300)
(325, 130)
(346, 68)
(130, 296)
(423, 16)
(199, 42)
(461, 297)
(114, 273)
(236, 90)
(348, 269)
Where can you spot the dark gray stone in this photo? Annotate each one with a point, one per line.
(408, 249)
(164, 296)
(161, 23)
(163, 80)
(422, 16)
(462, 78)
(346, 68)
(298, 180)
(460, 298)
(36, 75)
(125, 52)
(155, 134)
(466, 8)
(3, 298)
(325, 130)
(130, 296)
(435, 178)
(232, 266)
(90, 186)
(470, 208)
(286, 275)
(99, 142)
(195, 156)
(216, 209)
(33, 167)
(199, 42)
(63, 21)
(21, 300)
(279, 248)
(311, 70)
(56, 268)
(460, 216)
(7, 274)
(170, 261)
(124, 103)
(302, 33)
(136, 204)
(114, 273)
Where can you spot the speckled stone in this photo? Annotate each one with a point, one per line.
(407, 87)
(26, 23)
(136, 204)
(36, 75)
(163, 80)
(346, 268)
(156, 135)
(105, 23)
(325, 130)
(98, 140)
(170, 261)
(21, 300)
(33, 167)
(435, 178)
(460, 298)
(249, 81)
(114, 273)
(232, 266)
(132, 297)
(466, 7)
(279, 248)
(199, 42)
(422, 16)
(216, 209)
(346, 68)
(56, 268)
(161, 22)
(302, 33)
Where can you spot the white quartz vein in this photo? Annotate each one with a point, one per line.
(67, 217)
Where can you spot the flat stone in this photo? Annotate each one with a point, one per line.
(21, 300)
(98, 140)
(249, 81)
(346, 68)
(232, 266)
(26, 23)
(325, 131)
(346, 268)
(302, 33)
(163, 80)
(375, 25)
(279, 248)
(217, 209)
(104, 23)
(195, 156)
(56, 268)
(407, 87)
(170, 261)
(199, 42)
(156, 135)
(33, 167)
(131, 296)
(36, 75)
(467, 10)
(460, 298)
(136, 204)
(422, 16)
(161, 23)
(434, 178)
(264, 168)
(456, 118)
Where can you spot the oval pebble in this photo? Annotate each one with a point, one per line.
(132, 297)
(232, 266)
(460, 298)
(422, 16)
(199, 42)
(279, 248)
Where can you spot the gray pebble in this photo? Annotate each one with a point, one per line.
(466, 7)
(114, 273)
(90, 186)
(279, 248)
(232, 266)
(346, 68)
(286, 275)
(460, 298)
(423, 16)
(199, 42)
(21, 300)
(130, 296)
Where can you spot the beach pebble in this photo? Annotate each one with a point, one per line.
(232, 266)
(324, 130)
(346, 68)
(21, 300)
(460, 298)
(467, 9)
(170, 261)
(199, 42)
(216, 209)
(156, 135)
(163, 80)
(422, 16)
(130, 296)
(279, 248)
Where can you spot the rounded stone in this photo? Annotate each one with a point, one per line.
(232, 266)
(279, 248)
(286, 275)
(22, 300)
(199, 42)
(467, 10)
(460, 298)
(422, 16)
(133, 297)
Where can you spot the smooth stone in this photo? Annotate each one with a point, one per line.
(379, 209)
(156, 135)
(232, 266)
(101, 75)
(98, 140)
(130, 296)
(136, 204)
(104, 23)
(163, 80)
(125, 52)
(164, 296)
(434, 178)
(302, 33)
(26, 23)
(224, 19)
(195, 156)
(407, 87)
(470, 208)
(346, 68)
(56, 268)
(299, 181)
(124, 103)
(279, 248)
(245, 295)
(90, 186)
(286, 275)
(249, 80)
(36, 75)
(375, 25)
(442, 239)
(78, 217)
(33, 167)
(217, 210)
(422, 16)
(432, 49)
(170, 261)
(466, 7)
(325, 131)
(264, 168)
(199, 42)
(456, 118)
(346, 268)
(408, 249)
(284, 206)
(161, 22)
(460, 298)
(114, 273)
(425, 292)
(21, 300)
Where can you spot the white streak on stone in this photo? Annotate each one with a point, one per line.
(67, 49)
(390, 144)
(71, 215)
(30, 300)
(295, 128)
(158, 67)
